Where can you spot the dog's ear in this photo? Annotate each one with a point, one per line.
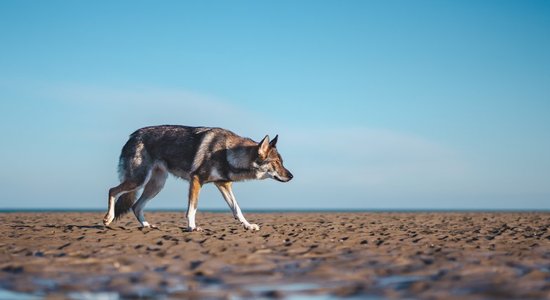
(263, 147)
(273, 142)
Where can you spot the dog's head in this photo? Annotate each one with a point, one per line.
(269, 163)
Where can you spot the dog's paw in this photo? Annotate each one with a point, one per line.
(108, 219)
(149, 226)
(191, 229)
(251, 227)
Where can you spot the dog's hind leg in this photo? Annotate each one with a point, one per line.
(127, 186)
(227, 193)
(151, 189)
(194, 189)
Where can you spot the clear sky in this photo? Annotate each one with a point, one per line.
(378, 104)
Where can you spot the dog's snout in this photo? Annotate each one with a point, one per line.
(290, 176)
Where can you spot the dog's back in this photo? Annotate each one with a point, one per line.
(182, 150)
(175, 146)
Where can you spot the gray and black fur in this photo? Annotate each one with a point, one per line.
(198, 154)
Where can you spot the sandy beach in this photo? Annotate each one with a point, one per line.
(294, 255)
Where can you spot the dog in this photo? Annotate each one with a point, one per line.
(199, 155)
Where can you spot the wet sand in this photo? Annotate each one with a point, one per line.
(294, 255)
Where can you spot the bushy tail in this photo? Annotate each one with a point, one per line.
(124, 204)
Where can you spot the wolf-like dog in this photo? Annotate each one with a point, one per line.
(199, 155)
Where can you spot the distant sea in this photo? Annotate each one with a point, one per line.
(277, 210)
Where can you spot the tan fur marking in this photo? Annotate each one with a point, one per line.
(194, 189)
(225, 184)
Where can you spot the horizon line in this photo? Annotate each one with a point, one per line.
(287, 210)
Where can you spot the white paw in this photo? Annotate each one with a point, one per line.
(150, 226)
(251, 227)
(108, 219)
(191, 229)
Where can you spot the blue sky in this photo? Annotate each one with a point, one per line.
(378, 104)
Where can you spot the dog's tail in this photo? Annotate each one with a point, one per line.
(124, 204)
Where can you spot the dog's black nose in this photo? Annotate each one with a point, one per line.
(290, 176)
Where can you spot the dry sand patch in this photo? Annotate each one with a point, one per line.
(397, 255)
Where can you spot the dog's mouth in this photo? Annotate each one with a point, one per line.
(276, 177)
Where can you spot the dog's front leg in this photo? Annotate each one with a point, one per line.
(227, 193)
(194, 189)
